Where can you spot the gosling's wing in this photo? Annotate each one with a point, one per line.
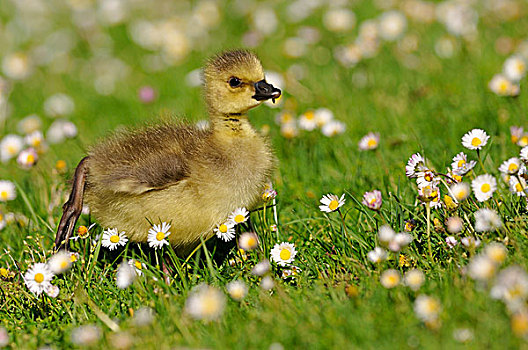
(152, 158)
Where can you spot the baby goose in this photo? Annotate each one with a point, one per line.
(182, 174)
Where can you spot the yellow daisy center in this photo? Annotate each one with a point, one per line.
(3, 272)
(392, 279)
(11, 149)
(114, 238)
(39, 278)
(523, 141)
(63, 264)
(476, 142)
(518, 187)
(251, 242)
(333, 204)
(373, 200)
(286, 117)
(458, 178)
(160, 235)
(372, 143)
(239, 218)
(309, 115)
(485, 188)
(222, 228)
(30, 158)
(503, 86)
(138, 265)
(513, 167)
(82, 231)
(73, 258)
(461, 162)
(285, 254)
(3, 195)
(428, 177)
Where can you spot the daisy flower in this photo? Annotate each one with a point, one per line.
(205, 303)
(86, 335)
(415, 164)
(284, 117)
(414, 279)
(283, 253)
(451, 242)
(377, 255)
(372, 199)
(289, 130)
(323, 116)
(514, 68)
(261, 268)
(460, 164)
(460, 191)
(496, 252)
(516, 133)
(307, 121)
(137, 265)
(523, 141)
(291, 272)
(60, 262)
(126, 275)
(369, 141)
(239, 216)
(7, 191)
(27, 158)
(511, 286)
(483, 187)
(333, 128)
(157, 235)
(426, 178)
(475, 139)
(267, 283)
(52, 291)
(225, 231)
(501, 86)
(400, 241)
(454, 224)
(470, 242)
(248, 241)
(427, 308)
(10, 146)
(237, 290)
(38, 278)
(431, 195)
(35, 140)
(487, 220)
(518, 187)
(390, 278)
(510, 166)
(113, 239)
(481, 268)
(524, 154)
(386, 234)
(330, 203)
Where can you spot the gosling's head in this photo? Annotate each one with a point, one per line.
(235, 83)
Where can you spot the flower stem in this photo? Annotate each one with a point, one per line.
(428, 210)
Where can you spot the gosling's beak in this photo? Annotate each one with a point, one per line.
(265, 91)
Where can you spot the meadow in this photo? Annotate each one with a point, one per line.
(377, 96)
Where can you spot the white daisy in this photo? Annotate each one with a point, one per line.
(431, 195)
(427, 178)
(225, 231)
(414, 279)
(460, 191)
(284, 117)
(330, 203)
(516, 133)
(385, 235)
(35, 140)
(377, 255)
(157, 235)
(7, 191)
(524, 154)
(307, 121)
(460, 164)
(483, 187)
(470, 242)
(481, 268)
(113, 239)
(10, 146)
(27, 158)
(59, 105)
(333, 128)
(369, 141)
(390, 278)
(510, 166)
(239, 216)
(501, 86)
(427, 308)
(415, 164)
(248, 241)
(237, 290)
(29, 124)
(518, 187)
(523, 140)
(52, 291)
(289, 130)
(475, 139)
(283, 253)
(205, 303)
(400, 241)
(451, 242)
(38, 278)
(514, 68)
(487, 220)
(261, 268)
(323, 116)
(511, 285)
(137, 265)
(267, 283)
(60, 262)
(496, 252)
(454, 224)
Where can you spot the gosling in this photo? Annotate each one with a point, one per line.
(188, 176)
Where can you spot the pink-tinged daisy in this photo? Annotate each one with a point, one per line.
(415, 164)
(470, 242)
(27, 158)
(475, 139)
(510, 166)
(427, 178)
(239, 216)
(38, 278)
(157, 235)
(372, 199)
(451, 242)
(283, 253)
(518, 186)
(454, 224)
(430, 194)
(330, 203)
(516, 133)
(112, 239)
(483, 187)
(225, 231)
(460, 164)
(369, 141)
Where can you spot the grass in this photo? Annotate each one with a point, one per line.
(337, 300)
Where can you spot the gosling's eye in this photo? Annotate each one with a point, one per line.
(234, 82)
